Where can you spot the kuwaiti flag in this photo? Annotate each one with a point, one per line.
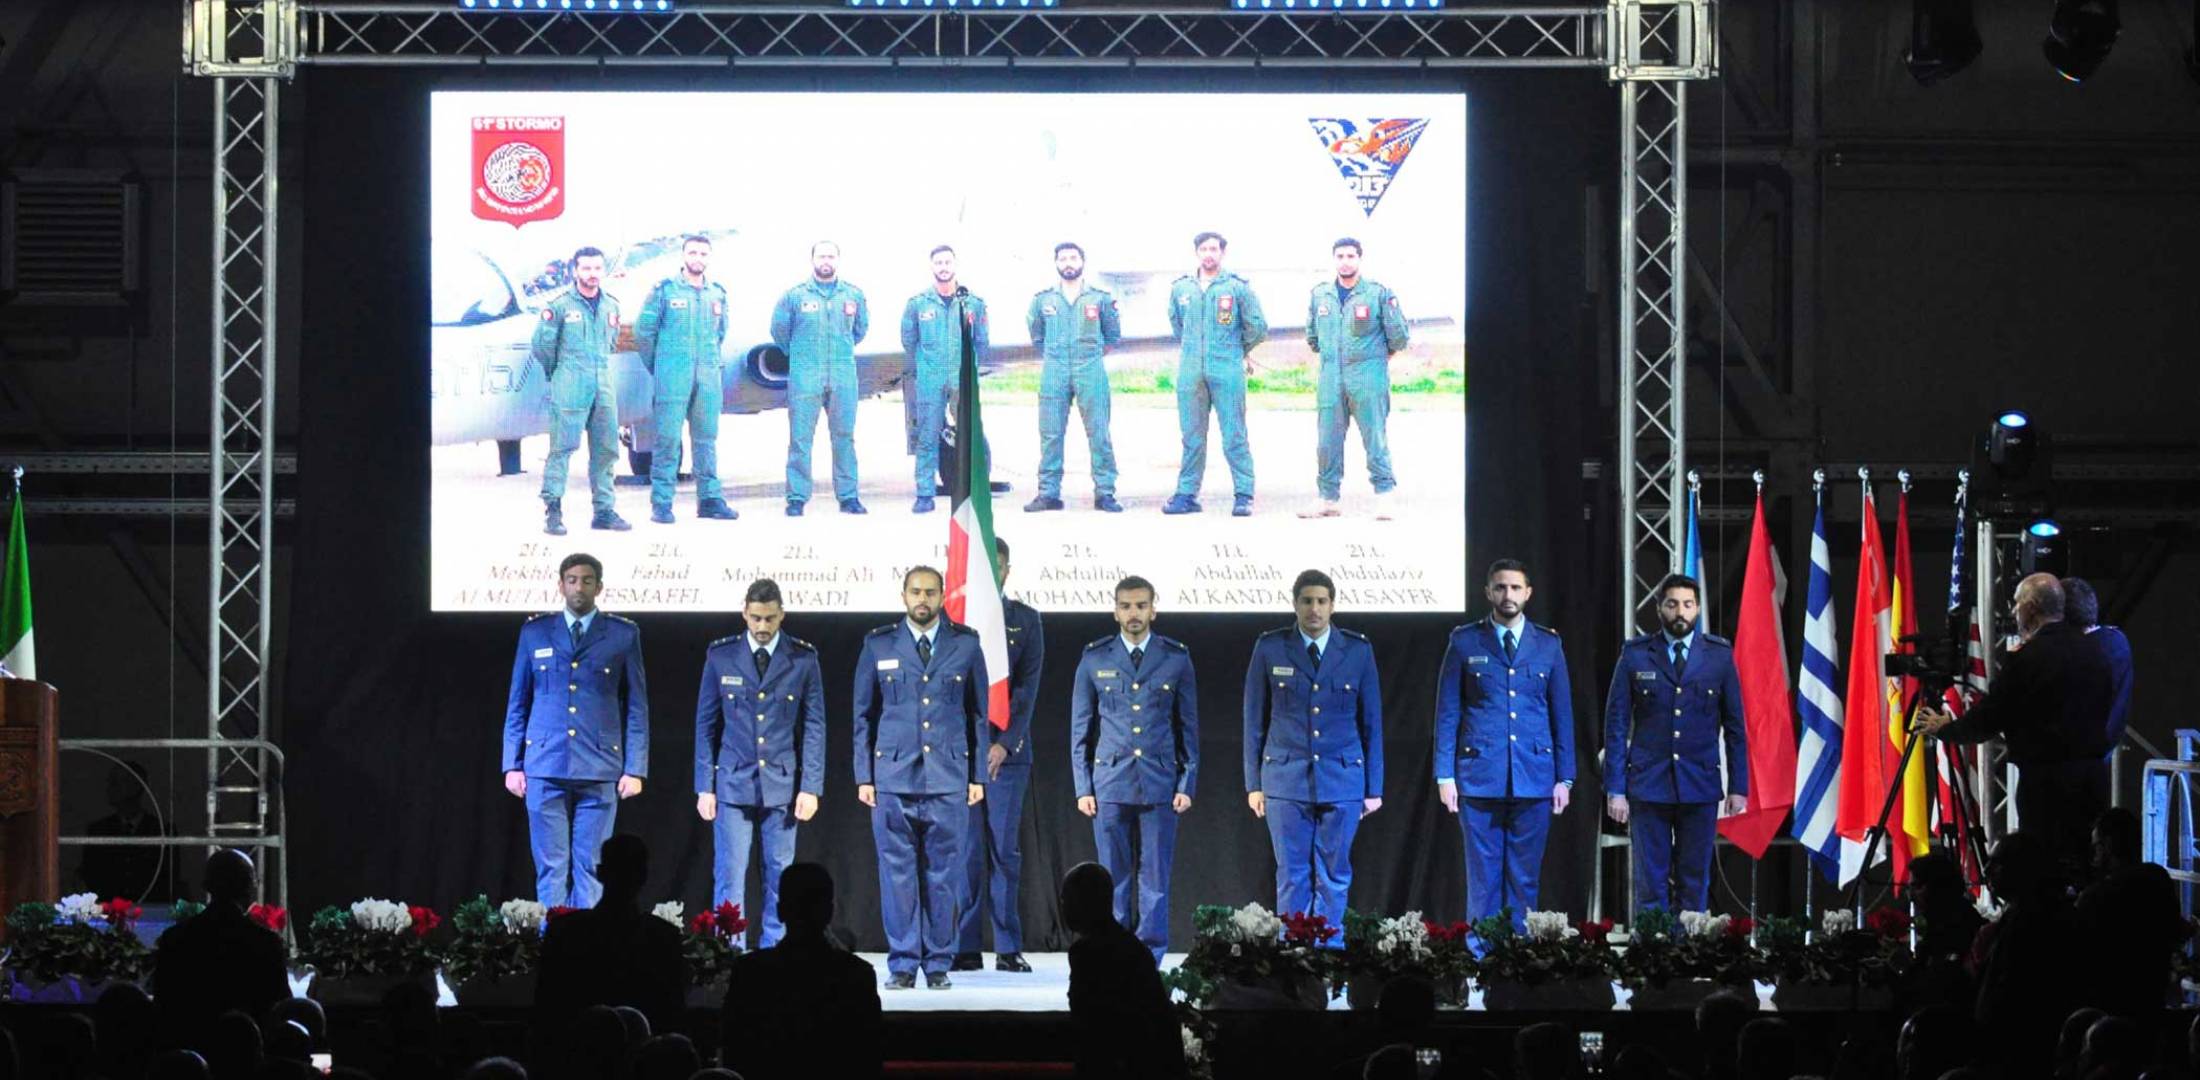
(1818, 699)
(17, 656)
(973, 573)
(1866, 769)
(1768, 714)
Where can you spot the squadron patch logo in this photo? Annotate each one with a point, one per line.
(1368, 153)
(519, 167)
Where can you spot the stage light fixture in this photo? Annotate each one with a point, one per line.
(2079, 36)
(2045, 551)
(1943, 39)
(2011, 469)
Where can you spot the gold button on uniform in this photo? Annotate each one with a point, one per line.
(1138, 753)
(1138, 731)
(572, 731)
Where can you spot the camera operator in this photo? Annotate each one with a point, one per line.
(2050, 703)
(2082, 608)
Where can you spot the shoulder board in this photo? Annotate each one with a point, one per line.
(664, 283)
(1350, 633)
(1018, 605)
(853, 289)
(1173, 643)
(1715, 639)
(717, 288)
(1098, 291)
(958, 628)
(1102, 643)
(1546, 629)
(1641, 639)
(1279, 631)
(619, 618)
(797, 643)
(1463, 628)
(1043, 292)
(884, 630)
(727, 640)
(543, 615)
(1184, 277)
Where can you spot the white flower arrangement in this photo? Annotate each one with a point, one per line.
(79, 908)
(1550, 926)
(1404, 938)
(1255, 923)
(1195, 1051)
(1989, 908)
(1704, 924)
(672, 911)
(382, 916)
(1837, 922)
(523, 916)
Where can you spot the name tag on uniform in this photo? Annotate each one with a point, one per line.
(891, 663)
(1047, 309)
(810, 305)
(676, 304)
(1092, 311)
(1478, 659)
(1645, 676)
(1109, 674)
(1283, 671)
(1323, 311)
(848, 309)
(540, 653)
(729, 680)
(613, 318)
(926, 315)
(1360, 312)
(736, 679)
(572, 316)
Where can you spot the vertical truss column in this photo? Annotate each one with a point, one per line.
(247, 50)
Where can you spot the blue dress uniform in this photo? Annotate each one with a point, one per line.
(1314, 747)
(918, 741)
(1505, 737)
(994, 854)
(1662, 729)
(759, 739)
(1134, 747)
(1072, 338)
(1215, 324)
(1355, 332)
(573, 344)
(562, 728)
(679, 332)
(817, 326)
(931, 333)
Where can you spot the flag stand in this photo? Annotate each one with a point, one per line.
(1878, 831)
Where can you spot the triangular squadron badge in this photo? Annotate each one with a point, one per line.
(1368, 153)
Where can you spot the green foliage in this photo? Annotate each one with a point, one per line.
(46, 950)
(1856, 956)
(1662, 950)
(1512, 957)
(339, 948)
(1223, 952)
(483, 947)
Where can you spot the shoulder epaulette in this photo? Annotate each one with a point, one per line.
(1350, 633)
(886, 629)
(958, 627)
(727, 640)
(1716, 639)
(1174, 643)
(798, 643)
(1100, 643)
(1546, 629)
(1640, 639)
(1279, 631)
(542, 615)
(621, 618)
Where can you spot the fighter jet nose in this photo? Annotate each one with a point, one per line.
(768, 366)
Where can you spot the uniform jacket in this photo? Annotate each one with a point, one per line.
(1078, 330)
(681, 323)
(1661, 733)
(1504, 730)
(1368, 325)
(1313, 736)
(1220, 322)
(562, 720)
(917, 728)
(931, 333)
(577, 340)
(816, 325)
(759, 740)
(1027, 650)
(1134, 733)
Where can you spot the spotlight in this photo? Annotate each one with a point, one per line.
(1943, 39)
(2011, 466)
(2044, 550)
(2079, 36)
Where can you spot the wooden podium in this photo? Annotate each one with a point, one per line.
(30, 793)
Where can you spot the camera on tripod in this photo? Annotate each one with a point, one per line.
(1936, 662)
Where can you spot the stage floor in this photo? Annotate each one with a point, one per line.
(1046, 989)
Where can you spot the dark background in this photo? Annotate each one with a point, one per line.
(1882, 266)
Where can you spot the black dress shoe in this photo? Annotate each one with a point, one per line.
(1106, 504)
(716, 510)
(901, 980)
(794, 509)
(852, 506)
(968, 961)
(1042, 504)
(662, 515)
(1011, 961)
(938, 980)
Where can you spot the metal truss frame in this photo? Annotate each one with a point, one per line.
(1649, 49)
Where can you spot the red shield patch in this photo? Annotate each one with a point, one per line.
(1092, 311)
(849, 309)
(1224, 302)
(519, 168)
(1360, 312)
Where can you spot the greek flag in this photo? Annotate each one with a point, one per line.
(1818, 758)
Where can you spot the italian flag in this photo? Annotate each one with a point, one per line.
(16, 654)
(973, 575)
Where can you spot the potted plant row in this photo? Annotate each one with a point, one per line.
(1251, 958)
(1552, 963)
(71, 951)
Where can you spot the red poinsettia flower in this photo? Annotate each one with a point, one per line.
(1888, 922)
(1741, 926)
(559, 911)
(269, 916)
(425, 920)
(121, 912)
(729, 921)
(1303, 928)
(1594, 932)
(702, 922)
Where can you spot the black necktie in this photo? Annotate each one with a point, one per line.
(1680, 657)
(924, 652)
(1511, 646)
(576, 628)
(763, 660)
(1138, 657)
(1314, 655)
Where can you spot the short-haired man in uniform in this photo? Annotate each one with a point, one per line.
(678, 333)
(573, 343)
(566, 751)
(1073, 325)
(932, 325)
(1674, 697)
(1134, 753)
(1354, 327)
(920, 699)
(1504, 744)
(759, 751)
(994, 852)
(1313, 748)
(818, 324)
(1216, 320)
